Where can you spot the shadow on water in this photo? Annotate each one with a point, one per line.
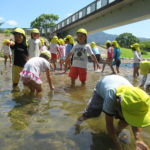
(33, 123)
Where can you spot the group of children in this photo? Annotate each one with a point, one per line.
(113, 95)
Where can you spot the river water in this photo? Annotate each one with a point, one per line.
(47, 122)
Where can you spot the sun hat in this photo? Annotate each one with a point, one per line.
(145, 67)
(84, 31)
(19, 30)
(115, 43)
(136, 46)
(47, 53)
(135, 104)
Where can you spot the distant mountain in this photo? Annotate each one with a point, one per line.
(101, 37)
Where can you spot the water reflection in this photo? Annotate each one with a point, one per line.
(47, 122)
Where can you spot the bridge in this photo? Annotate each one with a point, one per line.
(101, 15)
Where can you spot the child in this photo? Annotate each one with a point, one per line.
(69, 45)
(117, 98)
(7, 51)
(110, 54)
(96, 52)
(116, 56)
(32, 69)
(62, 49)
(20, 55)
(43, 45)
(54, 49)
(145, 70)
(80, 59)
(137, 59)
(34, 43)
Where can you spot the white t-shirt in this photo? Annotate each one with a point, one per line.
(80, 58)
(43, 48)
(53, 48)
(6, 50)
(36, 65)
(34, 47)
(137, 57)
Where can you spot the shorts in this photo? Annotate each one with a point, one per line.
(98, 57)
(117, 63)
(54, 56)
(29, 76)
(136, 65)
(62, 58)
(94, 107)
(16, 74)
(76, 71)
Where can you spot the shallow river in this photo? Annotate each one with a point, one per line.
(47, 123)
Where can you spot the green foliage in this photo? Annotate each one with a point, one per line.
(127, 39)
(44, 21)
(7, 32)
(145, 45)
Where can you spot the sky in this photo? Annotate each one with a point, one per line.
(20, 13)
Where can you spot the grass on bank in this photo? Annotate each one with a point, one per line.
(128, 53)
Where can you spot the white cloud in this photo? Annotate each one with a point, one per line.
(12, 22)
(1, 19)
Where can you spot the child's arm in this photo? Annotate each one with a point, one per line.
(69, 56)
(95, 60)
(49, 78)
(112, 132)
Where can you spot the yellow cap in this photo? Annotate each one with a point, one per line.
(47, 53)
(70, 38)
(6, 42)
(115, 43)
(93, 44)
(61, 42)
(84, 31)
(19, 30)
(108, 42)
(42, 41)
(35, 30)
(136, 46)
(145, 67)
(135, 104)
(54, 40)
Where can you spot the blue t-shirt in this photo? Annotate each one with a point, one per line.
(68, 49)
(106, 88)
(117, 53)
(95, 50)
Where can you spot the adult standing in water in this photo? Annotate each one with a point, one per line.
(117, 98)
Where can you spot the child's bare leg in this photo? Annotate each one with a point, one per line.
(134, 72)
(10, 59)
(94, 66)
(83, 83)
(5, 61)
(117, 68)
(72, 82)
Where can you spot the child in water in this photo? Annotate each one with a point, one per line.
(20, 55)
(62, 49)
(110, 54)
(7, 51)
(116, 56)
(32, 69)
(96, 52)
(145, 70)
(34, 43)
(137, 59)
(54, 49)
(118, 99)
(80, 59)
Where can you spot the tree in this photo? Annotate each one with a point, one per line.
(7, 32)
(44, 21)
(127, 39)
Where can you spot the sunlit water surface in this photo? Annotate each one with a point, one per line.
(47, 122)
